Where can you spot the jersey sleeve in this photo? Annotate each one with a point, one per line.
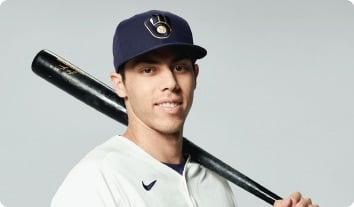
(86, 186)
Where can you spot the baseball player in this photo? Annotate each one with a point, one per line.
(155, 73)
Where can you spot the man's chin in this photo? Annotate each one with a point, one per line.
(170, 129)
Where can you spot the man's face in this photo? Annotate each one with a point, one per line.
(158, 90)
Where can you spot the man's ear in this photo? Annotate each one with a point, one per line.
(196, 72)
(118, 84)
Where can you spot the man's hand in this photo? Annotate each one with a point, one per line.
(295, 200)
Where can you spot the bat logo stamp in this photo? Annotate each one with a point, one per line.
(66, 69)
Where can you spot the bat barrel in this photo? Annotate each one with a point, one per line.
(79, 84)
(96, 94)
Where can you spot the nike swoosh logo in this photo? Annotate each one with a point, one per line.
(148, 187)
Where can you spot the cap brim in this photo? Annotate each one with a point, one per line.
(190, 50)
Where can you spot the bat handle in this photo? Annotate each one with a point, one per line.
(229, 173)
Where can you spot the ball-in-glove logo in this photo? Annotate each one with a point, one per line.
(159, 26)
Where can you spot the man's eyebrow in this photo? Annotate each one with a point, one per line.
(144, 60)
(151, 60)
(179, 58)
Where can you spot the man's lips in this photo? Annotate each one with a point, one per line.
(170, 105)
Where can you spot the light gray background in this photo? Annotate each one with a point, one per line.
(274, 98)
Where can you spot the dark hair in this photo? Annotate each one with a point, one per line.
(121, 71)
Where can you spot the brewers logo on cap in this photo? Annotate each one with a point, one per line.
(159, 26)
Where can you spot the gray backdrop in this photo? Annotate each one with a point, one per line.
(274, 98)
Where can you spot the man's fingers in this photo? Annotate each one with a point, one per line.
(283, 203)
(304, 202)
(295, 200)
(308, 201)
(296, 197)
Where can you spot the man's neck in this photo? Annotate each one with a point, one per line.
(166, 148)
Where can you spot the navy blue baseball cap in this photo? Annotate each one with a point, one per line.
(152, 30)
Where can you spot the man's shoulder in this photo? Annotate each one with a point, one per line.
(202, 178)
(93, 161)
(197, 168)
(93, 165)
(116, 156)
(88, 177)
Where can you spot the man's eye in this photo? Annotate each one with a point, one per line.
(147, 70)
(180, 68)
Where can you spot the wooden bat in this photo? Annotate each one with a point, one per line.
(101, 97)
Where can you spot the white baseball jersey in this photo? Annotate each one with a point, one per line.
(119, 173)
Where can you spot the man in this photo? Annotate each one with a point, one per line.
(156, 73)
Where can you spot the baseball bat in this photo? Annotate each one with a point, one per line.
(98, 95)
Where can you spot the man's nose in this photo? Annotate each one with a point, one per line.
(168, 80)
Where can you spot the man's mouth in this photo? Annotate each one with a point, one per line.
(169, 104)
